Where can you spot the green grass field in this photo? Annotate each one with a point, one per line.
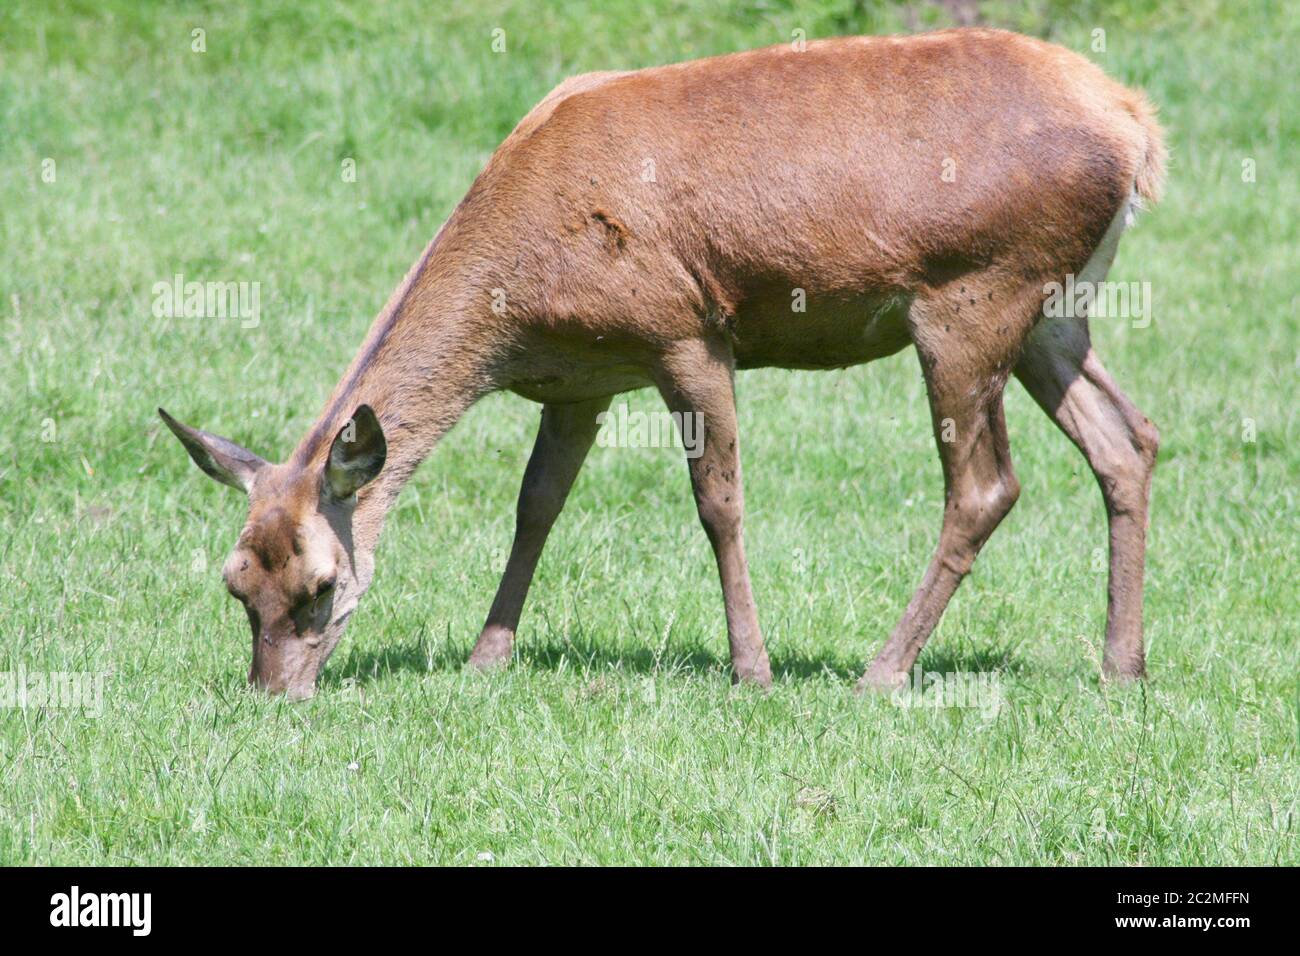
(126, 157)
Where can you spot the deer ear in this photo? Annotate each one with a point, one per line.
(357, 455)
(222, 459)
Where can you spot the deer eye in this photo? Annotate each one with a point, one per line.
(324, 587)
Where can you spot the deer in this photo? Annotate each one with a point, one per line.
(651, 229)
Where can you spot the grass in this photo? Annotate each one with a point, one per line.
(615, 737)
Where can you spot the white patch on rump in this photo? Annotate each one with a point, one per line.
(1098, 264)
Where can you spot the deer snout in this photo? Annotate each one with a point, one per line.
(284, 663)
(294, 687)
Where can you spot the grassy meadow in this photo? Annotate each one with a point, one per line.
(128, 156)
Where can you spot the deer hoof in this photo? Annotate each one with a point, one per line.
(881, 679)
(758, 673)
(493, 649)
(1122, 672)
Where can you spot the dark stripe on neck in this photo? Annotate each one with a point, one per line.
(323, 430)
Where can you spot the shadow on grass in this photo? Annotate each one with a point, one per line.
(419, 658)
(971, 660)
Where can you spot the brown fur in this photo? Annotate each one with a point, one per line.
(652, 228)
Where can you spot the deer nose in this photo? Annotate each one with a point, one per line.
(270, 685)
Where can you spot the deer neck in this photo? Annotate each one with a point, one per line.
(426, 359)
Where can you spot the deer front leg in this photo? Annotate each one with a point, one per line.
(695, 380)
(563, 440)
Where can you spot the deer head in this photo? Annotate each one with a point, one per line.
(295, 567)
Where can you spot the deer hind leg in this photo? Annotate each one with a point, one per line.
(696, 379)
(1065, 377)
(563, 440)
(966, 355)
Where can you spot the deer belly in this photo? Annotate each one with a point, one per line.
(819, 333)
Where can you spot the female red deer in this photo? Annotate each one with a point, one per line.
(654, 228)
